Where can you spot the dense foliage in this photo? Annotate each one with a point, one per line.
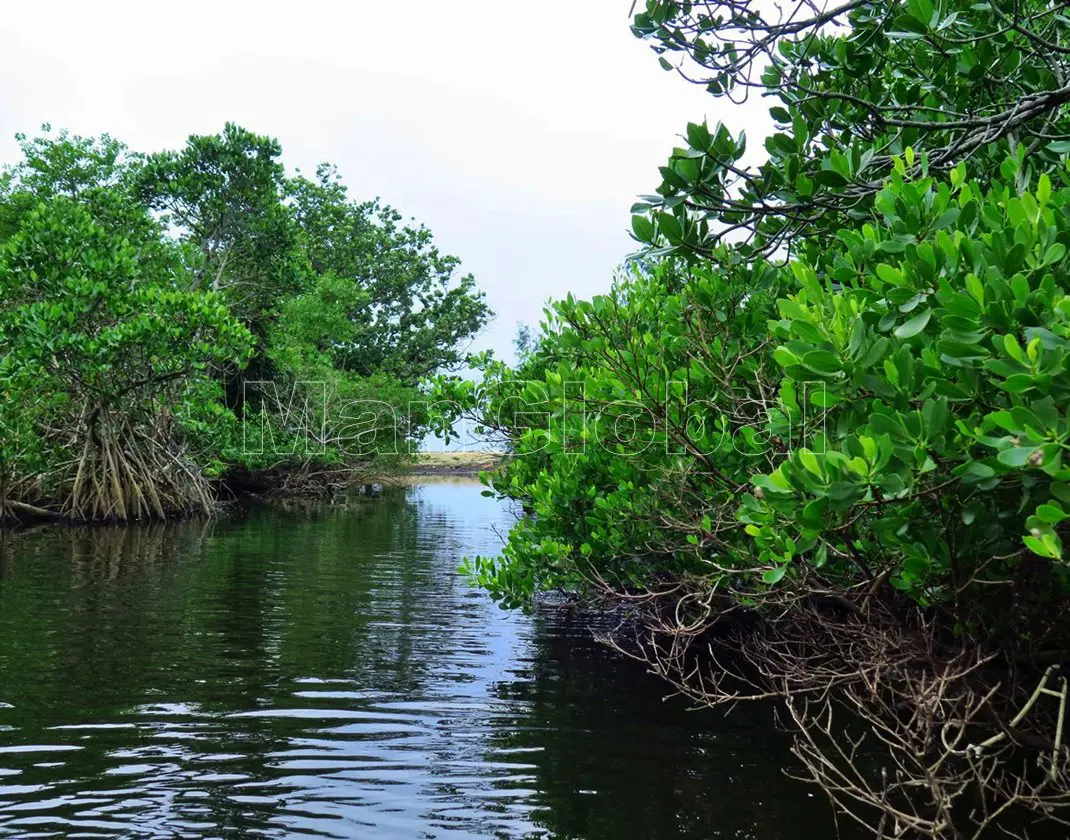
(175, 318)
(854, 85)
(908, 418)
(839, 377)
(894, 407)
(887, 396)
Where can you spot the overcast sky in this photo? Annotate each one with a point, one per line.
(519, 132)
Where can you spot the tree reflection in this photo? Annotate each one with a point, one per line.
(614, 758)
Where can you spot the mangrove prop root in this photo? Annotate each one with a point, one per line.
(910, 731)
(123, 473)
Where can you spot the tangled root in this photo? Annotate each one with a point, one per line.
(911, 731)
(125, 473)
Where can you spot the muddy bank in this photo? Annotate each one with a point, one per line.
(454, 463)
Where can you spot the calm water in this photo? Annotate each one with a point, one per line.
(323, 671)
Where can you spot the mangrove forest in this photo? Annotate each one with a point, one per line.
(778, 525)
(814, 441)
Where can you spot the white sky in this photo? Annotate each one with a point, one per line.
(519, 132)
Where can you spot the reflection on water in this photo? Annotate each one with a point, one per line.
(323, 671)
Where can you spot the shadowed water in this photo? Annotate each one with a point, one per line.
(324, 671)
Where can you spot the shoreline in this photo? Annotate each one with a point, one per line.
(426, 464)
(453, 463)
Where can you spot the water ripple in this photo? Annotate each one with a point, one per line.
(323, 671)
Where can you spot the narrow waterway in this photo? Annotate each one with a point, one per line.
(323, 671)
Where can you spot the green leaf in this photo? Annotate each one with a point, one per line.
(829, 178)
(1014, 349)
(921, 11)
(1043, 188)
(810, 462)
(914, 326)
(643, 229)
(670, 226)
(1019, 383)
(907, 27)
(1056, 251)
(889, 274)
(978, 470)
(698, 135)
(1047, 545)
(1051, 514)
(822, 361)
(946, 219)
(1017, 456)
(785, 357)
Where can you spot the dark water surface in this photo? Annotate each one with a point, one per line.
(323, 671)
